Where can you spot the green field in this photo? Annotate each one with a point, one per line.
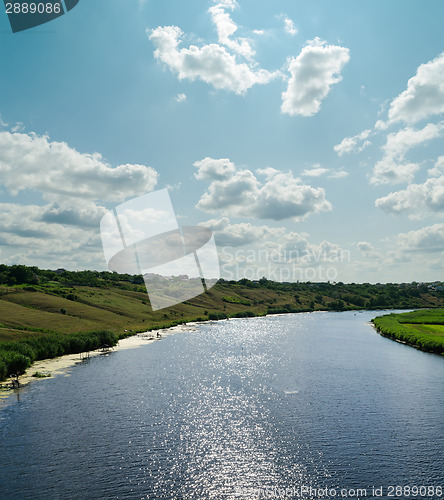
(422, 329)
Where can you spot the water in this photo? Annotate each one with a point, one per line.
(236, 409)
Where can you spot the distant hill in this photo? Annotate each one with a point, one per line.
(34, 301)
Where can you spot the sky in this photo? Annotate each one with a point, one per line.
(307, 135)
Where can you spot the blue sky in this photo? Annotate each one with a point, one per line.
(307, 135)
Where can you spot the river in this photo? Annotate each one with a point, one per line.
(247, 408)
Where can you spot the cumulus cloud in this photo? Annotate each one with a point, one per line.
(318, 171)
(313, 72)
(400, 142)
(427, 239)
(424, 96)
(289, 26)
(29, 161)
(181, 98)
(315, 171)
(243, 233)
(338, 174)
(212, 169)
(438, 168)
(387, 171)
(34, 234)
(423, 99)
(84, 214)
(281, 196)
(226, 27)
(276, 244)
(393, 168)
(367, 249)
(356, 143)
(210, 63)
(417, 200)
(64, 232)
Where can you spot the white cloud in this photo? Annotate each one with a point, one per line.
(338, 174)
(210, 63)
(281, 196)
(212, 169)
(381, 125)
(29, 161)
(367, 249)
(438, 168)
(424, 96)
(226, 27)
(290, 28)
(181, 98)
(356, 143)
(427, 239)
(393, 168)
(417, 200)
(315, 171)
(80, 213)
(318, 171)
(313, 72)
(45, 236)
(64, 232)
(402, 141)
(244, 233)
(387, 171)
(274, 244)
(267, 172)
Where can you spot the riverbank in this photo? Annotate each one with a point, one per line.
(422, 329)
(51, 367)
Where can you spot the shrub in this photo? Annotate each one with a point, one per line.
(217, 315)
(3, 369)
(15, 362)
(18, 355)
(236, 300)
(243, 314)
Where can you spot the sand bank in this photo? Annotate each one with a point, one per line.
(59, 366)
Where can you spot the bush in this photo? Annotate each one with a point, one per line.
(217, 315)
(243, 314)
(236, 300)
(15, 362)
(18, 355)
(3, 369)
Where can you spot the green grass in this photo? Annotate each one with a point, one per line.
(236, 300)
(421, 329)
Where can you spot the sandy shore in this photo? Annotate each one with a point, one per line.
(59, 366)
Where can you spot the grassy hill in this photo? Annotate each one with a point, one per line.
(48, 313)
(35, 310)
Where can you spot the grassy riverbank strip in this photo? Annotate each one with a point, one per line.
(423, 329)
